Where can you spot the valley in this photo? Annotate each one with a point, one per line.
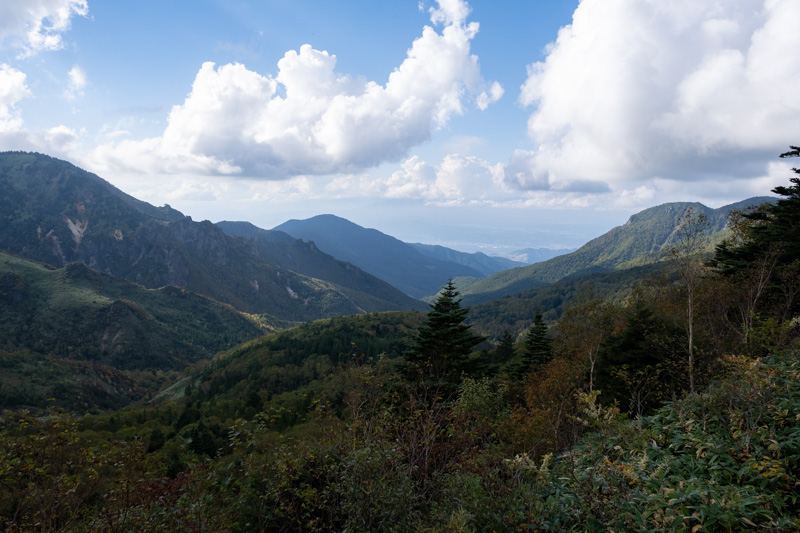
(347, 380)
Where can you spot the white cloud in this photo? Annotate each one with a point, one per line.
(635, 90)
(59, 141)
(309, 119)
(12, 90)
(456, 180)
(486, 98)
(76, 83)
(36, 25)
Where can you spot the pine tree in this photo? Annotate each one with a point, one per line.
(443, 343)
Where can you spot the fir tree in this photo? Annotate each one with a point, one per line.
(537, 350)
(443, 343)
(766, 252)
(505, 348)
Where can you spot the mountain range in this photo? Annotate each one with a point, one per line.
(57, 213)
(417, 270)
(102, 295)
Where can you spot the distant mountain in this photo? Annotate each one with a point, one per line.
(57, 213)
(485, 264)
(92, 340)
(643, 239)
(281, 249)
(385, 257)
(529, 256)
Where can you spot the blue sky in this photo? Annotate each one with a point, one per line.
(482, 126)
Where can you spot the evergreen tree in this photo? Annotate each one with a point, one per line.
(490, 363)
(443, 343)
(537, 350)
(769, 235)
(505, 348)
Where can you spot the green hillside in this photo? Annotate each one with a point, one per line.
(644, 239)
(282, 250)
(91, 340)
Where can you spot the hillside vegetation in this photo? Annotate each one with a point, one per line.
(92, 341)
(644, 239)
(669, 406)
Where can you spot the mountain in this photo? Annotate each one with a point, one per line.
(644, 239)
(485, 264)
(57, 213)
(281, 249)
(93, 340)
(385, 257)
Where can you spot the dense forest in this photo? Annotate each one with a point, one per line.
(670, 406)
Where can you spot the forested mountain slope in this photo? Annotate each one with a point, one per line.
(485, 264)
(645, 238)
(57, 213)
(303, 257)
(90, 340)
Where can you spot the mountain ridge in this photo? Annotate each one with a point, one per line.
(644, 238)
(58, 213)
(384, 256)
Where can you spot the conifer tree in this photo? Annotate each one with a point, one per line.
(769, 235)
(505, 348)
(443, 343)
(536, 351)
(537, 345)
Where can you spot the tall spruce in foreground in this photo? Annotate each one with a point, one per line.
(443, 343)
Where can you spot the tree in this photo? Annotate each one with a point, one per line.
(442, 343)
(505, 348)
(537, 349)
(767, 245)
(689, 242)
(584, 327)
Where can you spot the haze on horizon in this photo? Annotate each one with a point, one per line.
(475, 125)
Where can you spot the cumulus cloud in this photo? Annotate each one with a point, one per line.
(77, 81)
(12, 90)
(311, 120)
(36, 25)
(59, 140)
(456, 180)
(641, 90)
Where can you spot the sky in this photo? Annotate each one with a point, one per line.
(482, 125)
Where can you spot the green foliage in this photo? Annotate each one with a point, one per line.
(443, 342)
(536, 350)
(96, 341)
(763, 255)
